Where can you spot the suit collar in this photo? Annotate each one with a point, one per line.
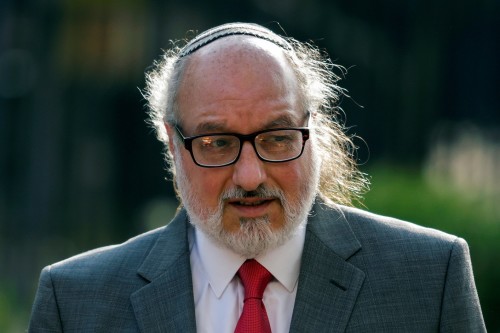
(170, 246)
(166, 303)
(327, 290)
(329, 223)
(328, 283)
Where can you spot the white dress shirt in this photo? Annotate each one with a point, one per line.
(218, 292)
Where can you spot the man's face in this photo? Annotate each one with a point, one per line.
(230, 87)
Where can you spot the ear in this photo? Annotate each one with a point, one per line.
(171, 138)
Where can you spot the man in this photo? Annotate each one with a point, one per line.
(263, 171)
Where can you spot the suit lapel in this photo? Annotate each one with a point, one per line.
(327, 290)
(328, 284)
(166, 304)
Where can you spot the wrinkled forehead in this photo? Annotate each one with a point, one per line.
(236, 67)
(238, 74)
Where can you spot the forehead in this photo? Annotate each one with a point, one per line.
(238, 75)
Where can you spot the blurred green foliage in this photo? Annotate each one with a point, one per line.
(13, 313)
(405, 193)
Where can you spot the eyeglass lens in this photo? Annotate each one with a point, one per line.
(274, 146)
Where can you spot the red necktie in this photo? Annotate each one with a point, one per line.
(254, 318)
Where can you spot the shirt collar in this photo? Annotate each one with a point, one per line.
(284, 261)
(221, 264)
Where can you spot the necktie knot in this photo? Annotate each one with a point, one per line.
(254, 278)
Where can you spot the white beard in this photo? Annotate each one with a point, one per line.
(255, 235)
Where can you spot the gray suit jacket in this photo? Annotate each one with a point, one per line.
(360, 273)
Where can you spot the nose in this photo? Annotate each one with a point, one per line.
(249, 170)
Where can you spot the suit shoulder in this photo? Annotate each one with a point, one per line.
(396, 244)
(368, 223)
(384, 234)
(124, 254)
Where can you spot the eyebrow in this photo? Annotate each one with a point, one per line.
(211, 127)
(285, 120)
(282, 121)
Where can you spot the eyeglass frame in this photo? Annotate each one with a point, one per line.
(188, 141)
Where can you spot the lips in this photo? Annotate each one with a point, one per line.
(249, 203)
(250, 207)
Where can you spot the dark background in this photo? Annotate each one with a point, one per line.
(79, 167)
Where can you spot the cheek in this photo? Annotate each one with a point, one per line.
(290, 180)
(206, 184)
(210, 187)
(296, 180)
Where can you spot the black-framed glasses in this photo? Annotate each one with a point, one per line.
(222, 149)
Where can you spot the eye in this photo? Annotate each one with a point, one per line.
(277, 138)
(214, 142)
(280, 138)
(217, 142)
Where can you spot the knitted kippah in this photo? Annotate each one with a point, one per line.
(229, 29)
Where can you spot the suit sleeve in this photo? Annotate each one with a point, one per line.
(45, 313)
(460, 310)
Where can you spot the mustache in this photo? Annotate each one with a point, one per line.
(262, 191)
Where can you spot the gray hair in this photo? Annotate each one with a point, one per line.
(340, 179)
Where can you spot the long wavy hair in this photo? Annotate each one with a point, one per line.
(340, 179)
